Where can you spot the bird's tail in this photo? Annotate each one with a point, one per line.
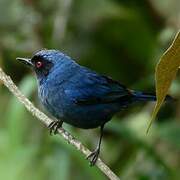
(142, 96)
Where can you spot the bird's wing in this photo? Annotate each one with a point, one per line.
(90, 88)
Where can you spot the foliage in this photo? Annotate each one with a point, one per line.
(166, 71)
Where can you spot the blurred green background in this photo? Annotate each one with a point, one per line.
(118, 38)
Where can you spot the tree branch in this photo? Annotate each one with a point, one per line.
(7, 81)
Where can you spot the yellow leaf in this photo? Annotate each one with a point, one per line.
(166, 71)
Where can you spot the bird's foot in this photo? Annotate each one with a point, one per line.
(93, 156)
(54, 126)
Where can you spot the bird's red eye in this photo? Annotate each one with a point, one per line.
(39, 64)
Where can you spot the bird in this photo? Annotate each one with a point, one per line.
(79, 96)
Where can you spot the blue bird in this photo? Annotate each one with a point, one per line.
(77, 95)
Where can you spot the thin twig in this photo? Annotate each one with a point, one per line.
(7, 81)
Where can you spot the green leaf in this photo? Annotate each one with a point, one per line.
(166, 71)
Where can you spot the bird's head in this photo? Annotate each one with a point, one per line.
(43, 61)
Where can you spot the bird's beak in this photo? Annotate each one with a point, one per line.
(25, 61)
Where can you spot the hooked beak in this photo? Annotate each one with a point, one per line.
(25, 61)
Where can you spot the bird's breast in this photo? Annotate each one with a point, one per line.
(51, 98)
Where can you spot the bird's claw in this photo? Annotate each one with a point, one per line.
(54, 126)
(93, 156)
